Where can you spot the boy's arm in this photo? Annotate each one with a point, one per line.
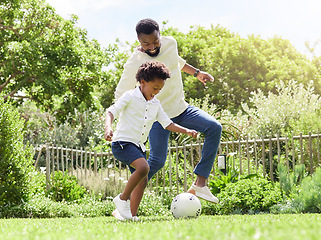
(173, 127)
(108, 121)
(200, 75)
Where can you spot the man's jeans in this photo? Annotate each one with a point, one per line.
(192, 118)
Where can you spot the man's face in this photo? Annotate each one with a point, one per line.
(150, 43)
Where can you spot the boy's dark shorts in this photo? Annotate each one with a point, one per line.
(127, 152)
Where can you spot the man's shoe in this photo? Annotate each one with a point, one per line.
(203, 192)
(117, 215)
(123, 207)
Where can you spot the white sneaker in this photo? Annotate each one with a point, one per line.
(135, 219)
(117, 215)
(203, 192)
(123, 207)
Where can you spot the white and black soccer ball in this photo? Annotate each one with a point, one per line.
(186, 205)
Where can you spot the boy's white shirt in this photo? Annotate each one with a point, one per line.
(171, 96)
(136, 117)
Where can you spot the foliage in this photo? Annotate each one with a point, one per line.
(80, 129)
(219, 182)
(290, 181)
(293, 107)
(15, 157)
(308, 197)
(240, 65)
(248, 196)
(65, 188)
(46, 58)
(40, 206)
(302, 198)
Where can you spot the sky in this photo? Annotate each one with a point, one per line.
(106, 20)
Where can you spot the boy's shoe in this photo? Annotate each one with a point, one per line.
(135, 219)
(203, 192)
(123, 207)
(117, 215)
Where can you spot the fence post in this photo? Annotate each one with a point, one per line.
(240, 154)
(301, 148)
(278, 146)
(248, 154)
(170, 168)
(192, 160)
(318, 148)
(185, 178)
(177, 190)
(263, 157)
(47, 167)
(293, 152)
(286, 153)
(255, 153)
(52, 162)
(62, 159)
(95, 163)
(271, 158)
(310, 149)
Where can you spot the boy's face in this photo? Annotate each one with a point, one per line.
(151, 88)
(150, 43)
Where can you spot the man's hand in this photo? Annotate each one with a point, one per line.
(204, 77)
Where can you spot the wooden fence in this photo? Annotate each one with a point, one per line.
(247, 156)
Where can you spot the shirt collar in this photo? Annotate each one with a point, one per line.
(138, 93)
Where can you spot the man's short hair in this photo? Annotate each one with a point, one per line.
(146, 26)
(151, 70)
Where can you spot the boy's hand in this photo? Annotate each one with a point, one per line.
(109, 134)
(192, 133)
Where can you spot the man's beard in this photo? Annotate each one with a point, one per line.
(153, 54)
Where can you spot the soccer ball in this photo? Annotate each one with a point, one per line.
(186, 205)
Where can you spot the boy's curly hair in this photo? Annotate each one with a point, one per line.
(151, 70)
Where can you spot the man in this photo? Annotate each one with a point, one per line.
(164, 49)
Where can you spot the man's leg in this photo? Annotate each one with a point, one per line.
(201, 121)
(158, 142)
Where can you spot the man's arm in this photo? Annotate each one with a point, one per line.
(200, 75)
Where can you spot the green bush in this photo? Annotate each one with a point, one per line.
(308, 197)
(290, 181)
(43, 207)
(294, 107)
(65, 188)
(15, 157)
(247, 196)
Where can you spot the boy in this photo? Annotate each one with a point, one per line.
(138, 109)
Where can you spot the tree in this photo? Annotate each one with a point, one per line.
(240, 65)
(45, 57)
(15, 157)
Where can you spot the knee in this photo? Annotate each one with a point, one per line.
(214, 127)
(158, 165)
(143, 170)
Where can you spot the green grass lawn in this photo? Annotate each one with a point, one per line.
(265, 226)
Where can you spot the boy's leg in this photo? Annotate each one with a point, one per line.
(137, 195)
(158, 142)
(121, 201)
(141, 171)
